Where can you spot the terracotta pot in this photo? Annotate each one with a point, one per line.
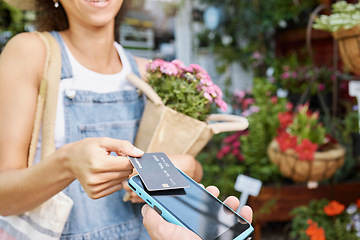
(323, 166)
(349, 47)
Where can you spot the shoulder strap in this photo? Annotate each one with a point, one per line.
(134, 66)
(47, 99)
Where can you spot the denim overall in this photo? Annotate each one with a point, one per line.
(115, 115)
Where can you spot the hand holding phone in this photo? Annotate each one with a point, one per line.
(160, 229)
(196, 209)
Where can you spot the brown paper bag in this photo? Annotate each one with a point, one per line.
(163, 129)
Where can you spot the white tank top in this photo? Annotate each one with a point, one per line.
(87, 80)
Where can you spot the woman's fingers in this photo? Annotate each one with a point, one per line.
(213, 190)
(120, 146)
(247, 213)
(108, 191)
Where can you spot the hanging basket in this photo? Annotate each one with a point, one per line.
(349, 46)
(323, 166)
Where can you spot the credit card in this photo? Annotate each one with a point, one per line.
(158, 172)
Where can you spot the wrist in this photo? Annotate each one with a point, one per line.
(61, 156)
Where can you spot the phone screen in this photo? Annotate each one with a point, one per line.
(199, 211)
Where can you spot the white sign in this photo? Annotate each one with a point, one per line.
(354, 91)
(247, 186)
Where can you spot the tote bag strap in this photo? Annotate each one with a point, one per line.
(145, 88)
(226, 123)
(47, 99)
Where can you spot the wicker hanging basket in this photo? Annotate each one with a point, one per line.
(349, 46)
(323, 166)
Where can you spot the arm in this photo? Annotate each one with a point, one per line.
(22, 188)
(19, 82)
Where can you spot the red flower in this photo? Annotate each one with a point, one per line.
(314, 232)
(285, 118)
(286, 141)
(306, 150)
(358, 203)
(334, 208)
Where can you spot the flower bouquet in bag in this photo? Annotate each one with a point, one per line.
(177, 118)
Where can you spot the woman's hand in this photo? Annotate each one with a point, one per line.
(100, 173)
(187, 163)
(160, 229)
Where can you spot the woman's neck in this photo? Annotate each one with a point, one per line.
(94, 48)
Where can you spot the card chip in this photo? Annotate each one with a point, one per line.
(165, 185)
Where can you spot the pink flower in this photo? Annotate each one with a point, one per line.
(273, 99)
(218, 91)
(206, 82)
(246, 113)
(294, 75)
(239, 94)
(169, 69)
(247, 102)
(179, 64)
(221, 104)
(256, 55)
(289, 106)
(230, 138)
(254, 109)
(235, 144)
(208, 96)
(197, 68)
(321, 87)
(285, 75)
(154, 65)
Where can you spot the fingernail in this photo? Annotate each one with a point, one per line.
(137, 151)
(144, 209)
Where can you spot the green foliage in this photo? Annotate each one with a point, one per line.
(297, 75)
(12, 21)
(352, 123)
(262, 129)
(224, 170)
(220, 172)
(249, 28)
(180, 95)
(307, 127)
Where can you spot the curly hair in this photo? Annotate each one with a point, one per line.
(49, 18)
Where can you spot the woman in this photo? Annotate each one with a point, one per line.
(97, 113)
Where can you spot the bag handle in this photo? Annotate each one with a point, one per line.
(145, 88)
(47, 99)
(227, 123)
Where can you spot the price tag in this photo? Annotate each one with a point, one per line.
(247, 186)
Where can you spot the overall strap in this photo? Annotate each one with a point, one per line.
(66, 71)
(133, 63)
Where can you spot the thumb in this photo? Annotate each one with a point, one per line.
(151, 218)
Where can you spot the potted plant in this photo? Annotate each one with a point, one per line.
(302, 150)
(343, 23)
(177, 117)
(324, 219)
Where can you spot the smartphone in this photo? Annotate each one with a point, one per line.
(196, 209)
